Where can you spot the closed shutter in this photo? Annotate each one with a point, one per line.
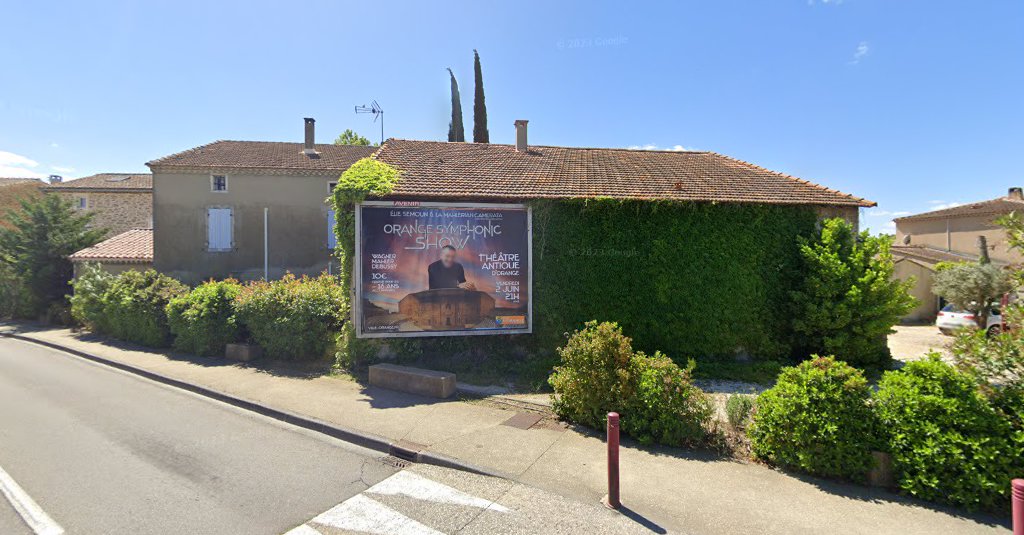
(332, 240)
(218, 227)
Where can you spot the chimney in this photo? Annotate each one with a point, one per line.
(56, 179)
(1016, 194)
(521, 145)
(309, 148)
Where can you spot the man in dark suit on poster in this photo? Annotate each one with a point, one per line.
(447, 273)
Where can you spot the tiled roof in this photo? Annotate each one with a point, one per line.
(265, 155)
(929, 255)
(491, 171)
(999, 206)
(108, 181)
(5, 181)
(133, 246)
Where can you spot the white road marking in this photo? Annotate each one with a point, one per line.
(30, 512)
(362, 514)
(420, 488)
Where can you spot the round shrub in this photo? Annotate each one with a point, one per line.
(135, 307)
(203, 320)
(738, 409)
(600, 373)
(666, 407)
(293, 318)
(595, 376)
(817, 418)
(948, 443)
(87, 300)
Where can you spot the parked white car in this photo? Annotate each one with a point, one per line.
(952, 319)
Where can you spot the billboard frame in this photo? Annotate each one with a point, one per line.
(357, 268)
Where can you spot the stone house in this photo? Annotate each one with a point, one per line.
(951, 235)
(120, 201)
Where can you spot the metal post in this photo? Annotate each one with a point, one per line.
(611, 501)
(1017, 497)
(266, 253)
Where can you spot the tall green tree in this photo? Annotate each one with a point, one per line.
(35, 249)
(456, 132)
(348, 137)
(972, 286)
(480, 134)
(848, 300)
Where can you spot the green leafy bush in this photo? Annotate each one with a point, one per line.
(947, 441)
(135, 306)
(849, 300)
(738, 409)
(600, 373)
(817, 418)
(294, 319)
(88, 297)
(203, 320)
(666, 407)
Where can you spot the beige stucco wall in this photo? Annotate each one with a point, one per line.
(297, 230)
(117, 212)
(928, 303)
(963, 235)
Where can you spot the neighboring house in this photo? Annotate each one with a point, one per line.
(6, 181)
(220, 208)
(121, 201)
(129, 250)
(950, 235)
(215, 205)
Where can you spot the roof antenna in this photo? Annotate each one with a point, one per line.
(377, 111)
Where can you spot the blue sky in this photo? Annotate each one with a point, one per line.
(913, 104)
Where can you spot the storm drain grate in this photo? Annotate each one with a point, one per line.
(391, 460)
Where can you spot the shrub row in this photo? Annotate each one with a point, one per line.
(601, 373)
(291, 318)
(948, 440)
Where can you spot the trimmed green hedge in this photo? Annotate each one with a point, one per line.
(203, 321)
(134, 307)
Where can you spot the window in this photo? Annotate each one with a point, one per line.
(218, 229)
(82, 202)
(332, 240)
(218, 183)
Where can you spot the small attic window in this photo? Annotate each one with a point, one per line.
(218, 183)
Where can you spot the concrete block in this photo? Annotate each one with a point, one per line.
(882, 474)
(243, 352)
(413, 380)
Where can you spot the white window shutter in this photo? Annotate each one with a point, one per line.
(219, 228)
(332, 240)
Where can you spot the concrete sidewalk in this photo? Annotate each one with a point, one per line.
(666, 490)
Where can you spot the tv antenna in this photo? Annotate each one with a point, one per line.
(377, 112)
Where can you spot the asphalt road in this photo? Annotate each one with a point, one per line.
(103, 451)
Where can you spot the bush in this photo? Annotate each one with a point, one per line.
(203, 320)
(666, 407)
(948, 443)
(135, 307)
(817, 418)
(738, 409)
(293, 318)
(600, 373)
(849, 300)
(87, 300)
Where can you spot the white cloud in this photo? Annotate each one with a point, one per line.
(54, 145)
(824, 2)
(652, 146)
(943, 206)
(61, 169)
(861, 51)
(17, 166)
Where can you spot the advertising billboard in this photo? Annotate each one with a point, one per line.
(442, 269)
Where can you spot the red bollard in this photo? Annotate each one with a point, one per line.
(611, 501)
(1017, 497)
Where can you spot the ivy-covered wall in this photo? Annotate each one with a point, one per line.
(691, 279)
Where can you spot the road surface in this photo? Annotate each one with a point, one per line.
(89, 449)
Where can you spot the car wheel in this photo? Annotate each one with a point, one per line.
(994, 330)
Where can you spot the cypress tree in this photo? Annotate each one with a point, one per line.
(480, 134)
(456, 132)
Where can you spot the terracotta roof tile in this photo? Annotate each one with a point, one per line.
(6, 181)
(265, 155)
(479, 170)
(133, 246)
(999, 206)
(108, 181)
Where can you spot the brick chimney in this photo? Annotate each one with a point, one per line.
(309, 147)
(1016, 194)
(56, 179)
(521, 145)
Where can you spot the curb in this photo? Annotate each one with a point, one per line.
(352, 436)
